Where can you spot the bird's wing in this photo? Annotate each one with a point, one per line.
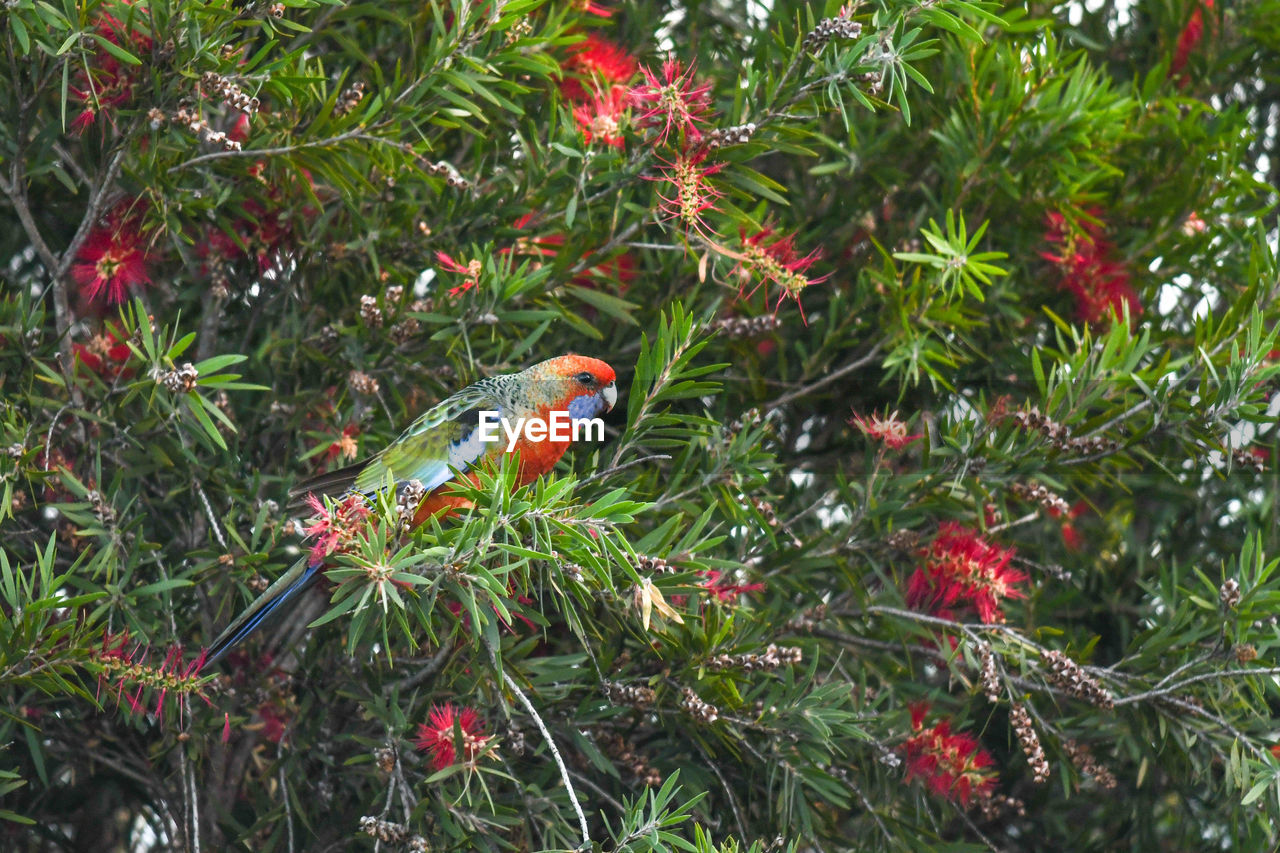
(444, 438)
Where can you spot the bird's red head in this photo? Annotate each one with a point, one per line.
(569, 377)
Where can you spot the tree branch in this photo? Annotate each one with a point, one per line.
(826, 380)
(555, 752)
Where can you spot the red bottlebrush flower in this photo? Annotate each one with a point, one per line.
(264, 231)
(1188, 39)
(472, 270)
(267, 232)
(673, 102)
(105, 354)
(1070, 536)
(219, 244)
(1193, 225)
(123, 665)
(595, 9)
(962, 568)
(85, 118)
(619, 268)
(105, 82)
(601, 117)
(335, 529)
(240, 131)
(999, 409)
(723, 588)
(691, 192)
(951, 764)
(275, 720)
(113, 257)
(599, 59)
(616, 272)
(887, 429)
(345, 446)
(1099, 284)
(768, 258)
(436, 736)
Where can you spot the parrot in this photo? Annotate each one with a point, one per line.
(456, 435)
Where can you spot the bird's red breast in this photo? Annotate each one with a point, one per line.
(557, 383)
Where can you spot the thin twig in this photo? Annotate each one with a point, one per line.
(288, 810)
(386, 809)
(866, 804)
(1015, 522)
(208, 509)
(555, 753)
(1186, 666)
(193, 798)
(728, 792)
(1164, 692)
(973, 827)
(48, 436)
(826, 380)
(97, 202)
(1262, 754)
(360, 133)
(657, 247)
(72, 164)
(603, 794)
(405, 803)
(587, 261)
(600, 475)
(431, 668)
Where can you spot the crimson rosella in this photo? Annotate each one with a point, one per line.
(456, 435)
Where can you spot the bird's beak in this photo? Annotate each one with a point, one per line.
(610, 394)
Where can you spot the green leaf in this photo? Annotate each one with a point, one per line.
(607, 303)
(115, 50)
(196, 405)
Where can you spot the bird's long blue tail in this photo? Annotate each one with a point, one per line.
(288, 587)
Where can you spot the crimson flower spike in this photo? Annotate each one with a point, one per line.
(596, 59)
(961, 568)
(113, 258)
(673, 102)
(951, 764)
(437, 735)
(335, 529)
(691, 193)
(770, 258)
(472, 269)
(601, 117)
(124, 666)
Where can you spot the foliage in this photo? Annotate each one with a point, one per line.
(923, 313)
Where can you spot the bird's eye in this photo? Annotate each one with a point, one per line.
(585, 378)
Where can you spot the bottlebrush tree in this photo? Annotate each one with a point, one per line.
(937, 510)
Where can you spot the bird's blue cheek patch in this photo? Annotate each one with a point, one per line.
(584, 407)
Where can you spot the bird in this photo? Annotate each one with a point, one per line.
(456, 436)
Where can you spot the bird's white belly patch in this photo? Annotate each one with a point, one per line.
(466, 451)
